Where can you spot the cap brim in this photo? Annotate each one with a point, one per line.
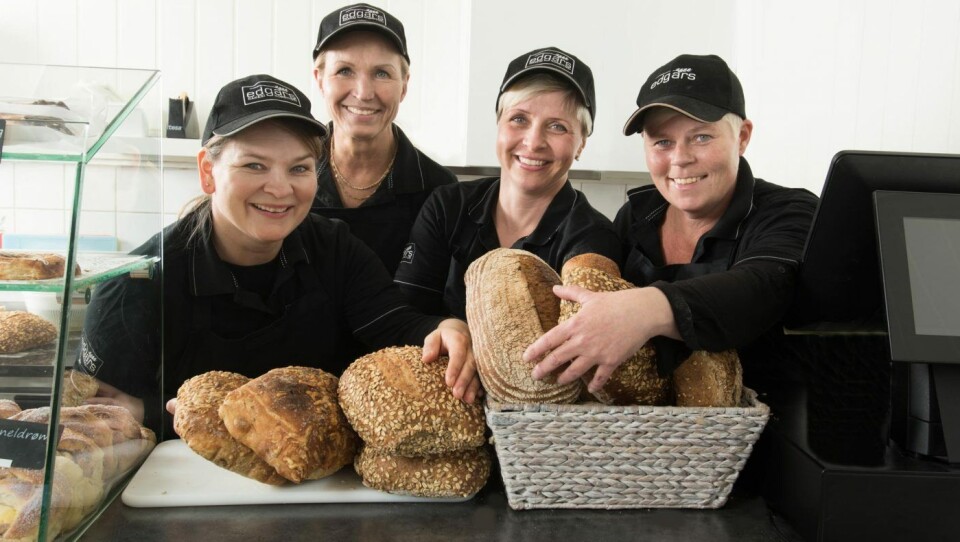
(695, 109)
(374, 27)
(547, 69)
(245, 122)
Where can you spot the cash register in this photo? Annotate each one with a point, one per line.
(866, 444)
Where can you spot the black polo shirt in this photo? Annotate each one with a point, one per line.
(742, 275)
(384, 221)
(323, 285)
(456, 226)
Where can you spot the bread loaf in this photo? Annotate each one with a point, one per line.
(8, 408)
(399, 404)
(32, 265)
(713, 379)
(21, 495)
(510, 304)
(198, 423)
(21, 331)
(291, 419)
(635, 381)
(77, 387)
(452, 474)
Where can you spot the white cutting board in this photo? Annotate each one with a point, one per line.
(173, 475)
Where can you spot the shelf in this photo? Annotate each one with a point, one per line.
(94, 267)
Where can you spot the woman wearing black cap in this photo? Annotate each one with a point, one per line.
(375, 179)
(545, 111)
(252, 280)
(715, 249)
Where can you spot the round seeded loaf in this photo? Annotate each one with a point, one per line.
(713, 379)
(452, 474)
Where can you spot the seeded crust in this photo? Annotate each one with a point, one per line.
(77, 387)
(510, 304)
(20, 330)
(291, 419)
(199, 425)
(453, 474)
(399, 404)
(32, 265)
(8, 408)
(712, 379)
(635, 381)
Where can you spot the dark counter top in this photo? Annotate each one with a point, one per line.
(486, 517)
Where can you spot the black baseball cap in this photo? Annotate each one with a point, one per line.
(361, 17)
(701, 87)
(255, 98)
(554, 61)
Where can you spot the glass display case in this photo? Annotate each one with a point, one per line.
(80, 187)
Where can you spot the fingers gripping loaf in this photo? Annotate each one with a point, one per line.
(452, 474)
(635, 381)
(510, 304)
(198, 423)
(291, 419)
(401, 405)
(712, 379)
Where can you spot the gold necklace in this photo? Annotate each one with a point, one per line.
(341, 180)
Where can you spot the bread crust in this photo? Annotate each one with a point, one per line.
(453, 474)
(709, 379)
(20, 330)
(510, 304)
(399, 404)
(32, 265)
(291, 419)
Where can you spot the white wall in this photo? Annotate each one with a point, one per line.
(820, 76)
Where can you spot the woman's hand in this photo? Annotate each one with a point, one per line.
(452, 337)
(609, 328)
(108, 395)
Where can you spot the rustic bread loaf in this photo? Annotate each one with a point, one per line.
(398, 403)
(198, 423)
(21, 494)
(510, 304)
(713, 379)
(77, 387)
(84, 423)
(21, 331)
(8, 408)
(635, 381)
(452, 474)
(32, 265)
(291, 419)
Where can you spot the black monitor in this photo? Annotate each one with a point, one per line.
(839, 278)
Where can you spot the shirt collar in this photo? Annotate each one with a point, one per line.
(561, 205)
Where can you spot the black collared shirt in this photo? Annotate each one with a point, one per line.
(741, 278)
(456, 226)
(326, 284)
(384, 221)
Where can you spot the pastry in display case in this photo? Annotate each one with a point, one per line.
(65, 452)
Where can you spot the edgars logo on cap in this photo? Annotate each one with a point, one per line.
(354, 14)
(675, 74)
(555, 58)
(263, 91)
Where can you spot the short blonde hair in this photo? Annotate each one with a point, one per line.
(538, 84)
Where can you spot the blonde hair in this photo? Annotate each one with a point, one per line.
(539, 84)
(197, 214)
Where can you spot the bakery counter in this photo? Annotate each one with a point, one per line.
(486, 517)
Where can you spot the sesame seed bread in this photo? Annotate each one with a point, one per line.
(291, 419)
(399, 404)
(20, 330)
(635, 381)
(77, 387)
(510, 304)
(453, 474)
(199, 425)
(713, 379)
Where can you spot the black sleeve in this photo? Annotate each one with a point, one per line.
(732, 308)
(423, 269)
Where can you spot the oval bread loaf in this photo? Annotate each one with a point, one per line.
(32, 265)
(199, 425)
(452, 474)
(510, 304)
(20, 330)
(635, 381)
(709, 379)
(401, 405)
(291, 419)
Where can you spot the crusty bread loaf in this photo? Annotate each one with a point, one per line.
(31, 265)
(452, 474)
(21, 331)
(77, 387)
(399, 404)
(8, 408)
(712, 379)
(510, 304)
(635, 381)
(82, 422)
(198, 423)
(291, 419)
(21, 494)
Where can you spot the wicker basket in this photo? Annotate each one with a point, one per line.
(599, 456)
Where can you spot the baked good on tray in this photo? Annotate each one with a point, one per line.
(20, 330)
(453, 474)
(17, 265)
